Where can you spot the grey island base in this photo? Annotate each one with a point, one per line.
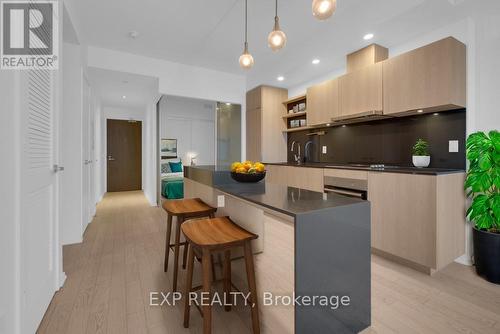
(313, 249)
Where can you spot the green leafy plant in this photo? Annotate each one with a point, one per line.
(483, 180)
(421, 148)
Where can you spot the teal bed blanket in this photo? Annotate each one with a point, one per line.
(172, 188)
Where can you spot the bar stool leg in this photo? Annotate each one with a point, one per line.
(180, 220)
(227, 279)
(252, 286)
(189, 286)
(207, 284)
(167, 242)
(184, 255)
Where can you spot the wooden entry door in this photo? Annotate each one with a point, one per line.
(124, 155)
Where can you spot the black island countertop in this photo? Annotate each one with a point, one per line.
(284, 199)
(386, 169)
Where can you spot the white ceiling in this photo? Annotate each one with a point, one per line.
(210, 33)
(111, 86)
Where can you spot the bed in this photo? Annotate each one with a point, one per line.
(172, 183)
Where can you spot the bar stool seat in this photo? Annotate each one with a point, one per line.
(216, 233)
(182, 209)
(188, 207)
(206, 236)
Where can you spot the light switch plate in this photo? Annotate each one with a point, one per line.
(453, 146)
(220, 201)
(323, 149)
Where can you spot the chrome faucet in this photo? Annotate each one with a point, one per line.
(296, 156)
(306, 151)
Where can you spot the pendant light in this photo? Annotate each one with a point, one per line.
(246, 59)
(277, 38)
(323, 9)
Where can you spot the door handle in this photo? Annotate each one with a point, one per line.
(57, 168)
(110, 158)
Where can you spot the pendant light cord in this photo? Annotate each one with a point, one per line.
(276, 11)
(246, 21)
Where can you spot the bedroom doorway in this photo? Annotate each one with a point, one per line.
(124, 155)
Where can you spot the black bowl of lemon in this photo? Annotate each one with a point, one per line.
(248, 171)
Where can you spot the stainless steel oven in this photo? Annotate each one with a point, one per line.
(347, 187)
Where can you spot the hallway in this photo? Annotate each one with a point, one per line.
(111, 274)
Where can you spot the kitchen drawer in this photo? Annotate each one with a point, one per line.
(346, 173)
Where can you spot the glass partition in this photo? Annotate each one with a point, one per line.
(228, 133)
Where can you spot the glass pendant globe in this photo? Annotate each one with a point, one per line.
(246, 59)
(276, 39)
(323, 9)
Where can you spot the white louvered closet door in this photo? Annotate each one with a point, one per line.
(38, 212)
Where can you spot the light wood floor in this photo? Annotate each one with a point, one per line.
(110, 276)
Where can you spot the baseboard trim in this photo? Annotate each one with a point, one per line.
(413, 265)
(465, 260)
(62, 279)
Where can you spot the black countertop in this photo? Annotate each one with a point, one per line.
(387, 169)
(287, 200)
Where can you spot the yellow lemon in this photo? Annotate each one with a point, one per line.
(260, 168)
(241, 170)
(235, 165)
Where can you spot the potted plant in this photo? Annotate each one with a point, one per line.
(483, 186)
(421, 157)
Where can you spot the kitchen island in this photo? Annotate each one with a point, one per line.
(313, 247)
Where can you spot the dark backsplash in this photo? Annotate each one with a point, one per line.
(389, 141)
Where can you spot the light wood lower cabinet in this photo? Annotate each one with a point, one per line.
(298, 177)
(418, 219)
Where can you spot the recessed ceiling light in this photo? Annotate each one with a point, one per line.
(280, 78)
(420, 111)
(124, 97)
(436, 114)
(327, 124)
(315, 61)
(133, 34)
(344, 126)
(368, 36)
(228, 104)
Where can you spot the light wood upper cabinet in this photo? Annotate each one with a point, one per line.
(431, 78)
(254, 98)
(254, 134)
(361, 91)
(323, 102)
(265, 138)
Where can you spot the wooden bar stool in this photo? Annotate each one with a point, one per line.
(206, 236)
(183, 209)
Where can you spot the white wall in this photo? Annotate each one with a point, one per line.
(9, 194)
(150, 164)
(487, 74)
(192, 123)
(71, 146)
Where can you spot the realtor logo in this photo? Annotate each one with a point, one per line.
(29, 36)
